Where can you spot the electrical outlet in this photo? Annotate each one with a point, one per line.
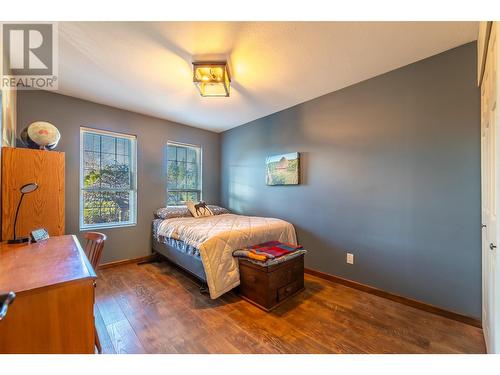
(350, 258)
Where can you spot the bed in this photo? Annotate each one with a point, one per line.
(204, 246)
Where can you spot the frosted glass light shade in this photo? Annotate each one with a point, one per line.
(212, 78)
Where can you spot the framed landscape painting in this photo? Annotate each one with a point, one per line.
(283, 169)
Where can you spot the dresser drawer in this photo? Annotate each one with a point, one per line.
(288, 290)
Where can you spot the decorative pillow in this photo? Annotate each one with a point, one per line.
(182, 211)
(199, 209)
(217, 210)
(172, 212)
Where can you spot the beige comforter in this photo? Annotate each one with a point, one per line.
(218, 236)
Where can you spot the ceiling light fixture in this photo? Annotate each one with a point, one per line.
(212, 78)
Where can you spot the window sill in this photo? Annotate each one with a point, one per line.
(106, 226)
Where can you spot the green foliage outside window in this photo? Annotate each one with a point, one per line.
(108, 187)
(183, 174)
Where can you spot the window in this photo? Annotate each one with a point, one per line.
(108, 193)
(183, 173)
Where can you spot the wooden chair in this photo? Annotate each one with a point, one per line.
(93, 248)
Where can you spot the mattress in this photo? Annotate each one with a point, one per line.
(175, 243)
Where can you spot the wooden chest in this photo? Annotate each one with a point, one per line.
(268, 287)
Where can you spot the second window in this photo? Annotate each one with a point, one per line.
(183, 173)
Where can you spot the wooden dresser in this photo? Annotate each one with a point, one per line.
(54, 308)
(44, 208)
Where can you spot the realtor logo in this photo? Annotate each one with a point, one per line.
(29, 58)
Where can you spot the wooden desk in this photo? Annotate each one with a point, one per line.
(54, 308)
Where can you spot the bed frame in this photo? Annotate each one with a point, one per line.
(187, 262)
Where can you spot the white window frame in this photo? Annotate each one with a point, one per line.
(180, 144)
(133, 204)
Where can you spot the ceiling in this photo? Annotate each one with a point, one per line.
(146, 66)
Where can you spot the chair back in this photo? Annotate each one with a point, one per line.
(94, 247)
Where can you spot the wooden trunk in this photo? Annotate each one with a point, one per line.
(268, 287)
(43, 208)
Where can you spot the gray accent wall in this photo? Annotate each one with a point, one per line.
(390, 172)
(69, 114)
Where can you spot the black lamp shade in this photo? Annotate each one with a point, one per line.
(28, 188)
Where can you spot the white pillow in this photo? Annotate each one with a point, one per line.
(199, 210)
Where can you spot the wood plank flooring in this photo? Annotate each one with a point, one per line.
(156, 308)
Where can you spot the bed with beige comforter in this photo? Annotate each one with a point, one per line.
(218, 236)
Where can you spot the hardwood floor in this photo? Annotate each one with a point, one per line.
(155, 308)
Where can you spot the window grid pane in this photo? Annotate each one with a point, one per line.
(183, 174)
(108, 191)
